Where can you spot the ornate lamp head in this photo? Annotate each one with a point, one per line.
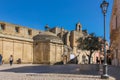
(104, 6)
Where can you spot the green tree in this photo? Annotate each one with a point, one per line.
(90, 43)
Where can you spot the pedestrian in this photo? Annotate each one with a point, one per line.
(0, 59)
(11, 60)
(19, 61)
(102, 59)
(97, 60)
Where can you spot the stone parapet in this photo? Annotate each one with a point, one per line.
(17, 30)
(15, 38)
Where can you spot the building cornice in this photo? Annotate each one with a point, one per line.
(16, 38)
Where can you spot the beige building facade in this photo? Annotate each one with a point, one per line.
(29, 45)
(48, 48)
(17, 41)
(115, 33)
(70, 39)
(52, 46)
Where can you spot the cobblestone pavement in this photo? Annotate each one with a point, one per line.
(49, 72)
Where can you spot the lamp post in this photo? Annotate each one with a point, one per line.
(104, 7)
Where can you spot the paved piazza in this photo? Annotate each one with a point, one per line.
(52, 72)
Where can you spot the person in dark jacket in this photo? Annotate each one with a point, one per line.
(0, 59)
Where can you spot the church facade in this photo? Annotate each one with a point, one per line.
(41, 47)
(70, 39)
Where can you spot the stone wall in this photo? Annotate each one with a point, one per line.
(16, 40)
(45, 52)
(75, 35)
(10, 29)
(17, 48)
(56, 52)
(41, 53)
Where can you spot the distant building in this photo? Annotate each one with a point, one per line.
(115, 33)
(70, 39)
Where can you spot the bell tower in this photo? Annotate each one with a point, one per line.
(78, 27)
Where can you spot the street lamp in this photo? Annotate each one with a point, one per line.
(104, 7)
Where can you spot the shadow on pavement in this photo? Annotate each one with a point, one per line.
(114, 71)
(59, 69)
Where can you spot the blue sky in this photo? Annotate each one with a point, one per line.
(63, 13)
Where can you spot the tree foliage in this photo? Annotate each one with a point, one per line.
(90, 43)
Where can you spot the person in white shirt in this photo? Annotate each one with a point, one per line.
(11, 60)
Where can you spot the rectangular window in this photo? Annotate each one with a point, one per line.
(2, 26)
(29, 32)
(17, 29)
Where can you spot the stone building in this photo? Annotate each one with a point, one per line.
(29, 45)
(70, 40)
(115, 33)
(48, 48)
(16, 40)
(70, 37)
(42, 47)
